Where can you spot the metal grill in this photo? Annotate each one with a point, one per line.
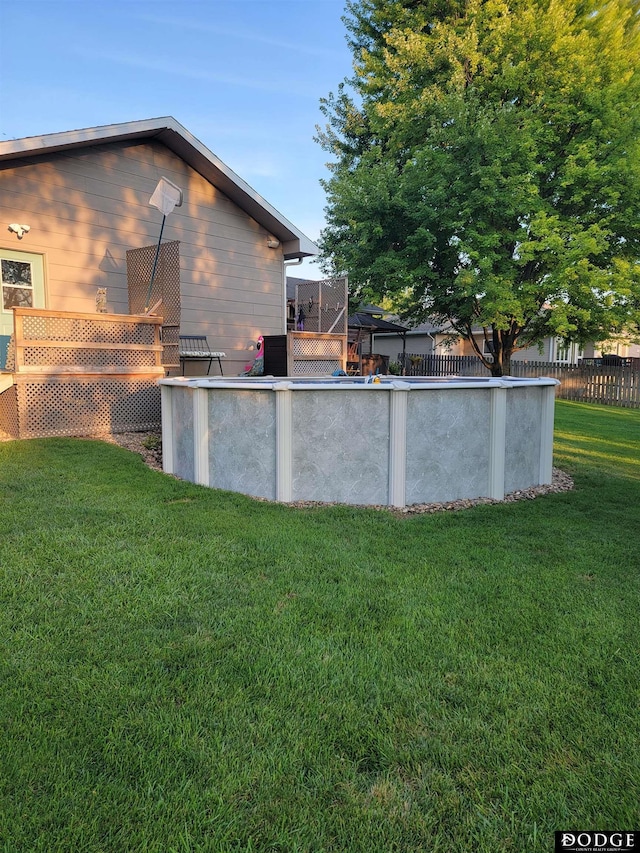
(322, 367)
(324, 305)
(77, 406)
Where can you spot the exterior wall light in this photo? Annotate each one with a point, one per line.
(20, 230)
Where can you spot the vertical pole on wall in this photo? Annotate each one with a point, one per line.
(165, 198)
(497, 442)
(147, 301)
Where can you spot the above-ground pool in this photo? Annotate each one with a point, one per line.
(394, 442)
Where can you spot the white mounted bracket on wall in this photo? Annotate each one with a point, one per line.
(18, 229)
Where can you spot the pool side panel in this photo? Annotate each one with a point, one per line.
(341, 446)
(522, 445)
(183, 433)
(546, 434)
(300, 440)
(447, 444)
(242, 443)
(497, 437)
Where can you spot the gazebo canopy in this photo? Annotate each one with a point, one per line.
(363, 322)
(367, 322)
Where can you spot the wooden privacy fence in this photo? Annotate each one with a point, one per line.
(81, 374)
(442, 365)
(587, 383)
(615, 386)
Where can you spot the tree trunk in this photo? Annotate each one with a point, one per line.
(501, 365)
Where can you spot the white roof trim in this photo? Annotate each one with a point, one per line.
(174, 136)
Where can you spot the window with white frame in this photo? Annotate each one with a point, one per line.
(562, 350)
(566, 353)
(17, 286)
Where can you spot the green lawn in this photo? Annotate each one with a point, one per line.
(183, 669)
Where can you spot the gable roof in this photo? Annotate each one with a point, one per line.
(364, 320)
(292, 283)
(176, 138)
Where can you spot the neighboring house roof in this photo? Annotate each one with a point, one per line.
(429, 329)
(177, 139)
(292, 283)
(371, 309)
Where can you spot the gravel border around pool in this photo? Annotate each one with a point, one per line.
(149, 447)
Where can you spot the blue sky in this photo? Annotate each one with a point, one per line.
(244, 76)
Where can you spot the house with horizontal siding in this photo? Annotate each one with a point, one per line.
(429, 339)
(75, 212)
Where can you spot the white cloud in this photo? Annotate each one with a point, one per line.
(175, 69)
(301, 46)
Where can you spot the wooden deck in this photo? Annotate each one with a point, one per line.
(81, 374)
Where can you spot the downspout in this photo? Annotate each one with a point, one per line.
(433, 343)
(404, 349)
(286, 264)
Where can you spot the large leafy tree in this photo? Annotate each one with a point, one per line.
(486, 165)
